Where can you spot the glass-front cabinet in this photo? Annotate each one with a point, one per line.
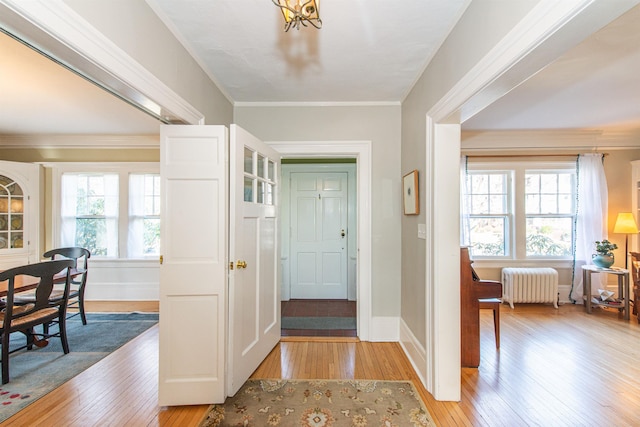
(11, 214)
(19, 214)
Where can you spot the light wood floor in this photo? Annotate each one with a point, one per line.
(555, 368)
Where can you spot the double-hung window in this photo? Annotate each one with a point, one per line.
(550, 212)
(490, 212)
(520, 210)
(111, 209)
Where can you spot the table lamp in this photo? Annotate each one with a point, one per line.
(625, 224)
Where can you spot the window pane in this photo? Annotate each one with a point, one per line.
(549, 236)
(261, 166)
(497, 204)
(248, 189)
(532, 203)
(248, 161)
(532, 183)
(487, 236)
(151, 236)
(479, 204)
(565, 204)
(548, 204)
(269, 195)
(565, 183)
(91, 234)
(479, 183)
(261, 190)
(16, 241)
(496, 184)
(272, 168)
(548, 183)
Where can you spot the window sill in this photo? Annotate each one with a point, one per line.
(502, 263)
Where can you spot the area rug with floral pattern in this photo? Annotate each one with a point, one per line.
(321, 403)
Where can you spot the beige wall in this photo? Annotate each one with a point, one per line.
(381, 126)
(479, 29)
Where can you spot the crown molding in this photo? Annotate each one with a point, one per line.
(319, 104)
(80, 141)
(591, 139)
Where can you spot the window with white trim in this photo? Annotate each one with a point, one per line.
(524, 211)
(550, 212)
(112, 210)
(490, 212)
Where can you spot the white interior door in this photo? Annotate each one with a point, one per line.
(319, 235)
(193, 272)
(254, 281)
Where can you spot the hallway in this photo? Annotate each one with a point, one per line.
(319, 308)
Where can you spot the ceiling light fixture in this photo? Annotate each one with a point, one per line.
(298, 12)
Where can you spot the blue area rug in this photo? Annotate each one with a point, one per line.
(35, 373)
(296, 322)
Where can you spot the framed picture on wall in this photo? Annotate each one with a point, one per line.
(410, 197)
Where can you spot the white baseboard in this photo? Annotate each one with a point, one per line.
(414, 350)
(384, 329)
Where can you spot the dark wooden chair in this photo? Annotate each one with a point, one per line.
(42, 311)
(80, 257)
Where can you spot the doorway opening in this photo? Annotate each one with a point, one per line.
(318, 244)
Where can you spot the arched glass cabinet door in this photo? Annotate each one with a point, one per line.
(11, 214)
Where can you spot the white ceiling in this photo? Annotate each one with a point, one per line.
(372, 57)
(366, 51)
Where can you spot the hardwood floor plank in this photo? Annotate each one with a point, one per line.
(554, 368)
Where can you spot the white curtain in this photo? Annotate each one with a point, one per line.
(68, 210)
(591, 222)
(135, 243)
(465, 230)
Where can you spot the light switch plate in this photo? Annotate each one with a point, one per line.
(422, 231)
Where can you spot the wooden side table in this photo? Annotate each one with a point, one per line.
(623, 288)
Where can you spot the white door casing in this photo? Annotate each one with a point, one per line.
(361, 151)
(319, 203)
(193, 273)
(254, 282)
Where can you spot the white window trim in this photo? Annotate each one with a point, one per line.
(123, 170)
(517, 231)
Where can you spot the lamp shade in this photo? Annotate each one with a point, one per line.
(625, 224)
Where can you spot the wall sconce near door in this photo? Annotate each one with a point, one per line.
(298, 12)
(625, 224)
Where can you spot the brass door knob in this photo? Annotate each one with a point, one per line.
(241, 264)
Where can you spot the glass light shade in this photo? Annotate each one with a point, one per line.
(298, 12)
(625, 224)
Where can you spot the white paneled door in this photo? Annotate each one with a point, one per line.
(254, 282)
(319, 235)
(201, 319)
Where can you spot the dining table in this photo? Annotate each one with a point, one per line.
(27, 283)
